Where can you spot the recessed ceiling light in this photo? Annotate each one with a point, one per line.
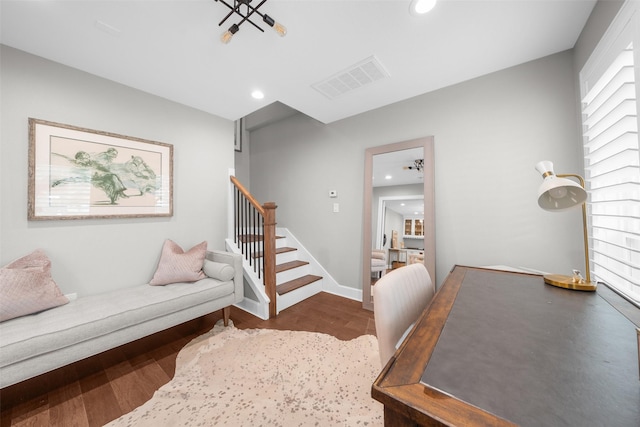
(420, 7)
(388, 177)
(257, 94)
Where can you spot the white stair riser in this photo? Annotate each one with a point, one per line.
(290, 298)
(286, 257)
(292, 274)
(280, 243)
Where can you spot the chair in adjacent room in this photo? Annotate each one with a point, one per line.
(398, 300)
(416, 258)
(378, 262)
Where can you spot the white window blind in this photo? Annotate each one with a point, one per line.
(612, 162)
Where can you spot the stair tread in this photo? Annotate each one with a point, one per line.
(290, 265)
(254, 238)
(294, 284)
(278, 251)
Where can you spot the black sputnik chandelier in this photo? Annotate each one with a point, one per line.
(418, 164)
(244, 9)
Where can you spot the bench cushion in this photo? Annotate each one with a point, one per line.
(97, 315)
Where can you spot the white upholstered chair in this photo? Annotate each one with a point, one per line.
(378, 262)
(416, 258)
(398, 300)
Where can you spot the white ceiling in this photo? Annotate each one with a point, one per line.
(407, 207)
(171, 48)
(392, 168)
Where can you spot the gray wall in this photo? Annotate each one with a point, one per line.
(489, 133)
(92, 256)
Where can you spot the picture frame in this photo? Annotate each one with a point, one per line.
(238, 134)
(78, 173)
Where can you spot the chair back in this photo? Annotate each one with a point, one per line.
(399, 298)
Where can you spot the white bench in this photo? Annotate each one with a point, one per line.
(34, 344)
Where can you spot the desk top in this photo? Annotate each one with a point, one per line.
(501, 348)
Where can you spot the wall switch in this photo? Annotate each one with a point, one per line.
(336, 207)
(333, 193)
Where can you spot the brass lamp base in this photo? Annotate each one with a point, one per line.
(568, 282)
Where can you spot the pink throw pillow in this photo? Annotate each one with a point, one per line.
(176, 265)
(26, 287)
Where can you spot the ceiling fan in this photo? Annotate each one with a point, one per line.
(418, 165)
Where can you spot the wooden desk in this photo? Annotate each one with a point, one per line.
(502, 349)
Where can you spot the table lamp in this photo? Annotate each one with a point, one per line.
(557, 193)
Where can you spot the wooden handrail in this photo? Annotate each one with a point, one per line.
(253, 224)
(247, 195)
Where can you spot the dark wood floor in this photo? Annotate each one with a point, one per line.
(97, 390)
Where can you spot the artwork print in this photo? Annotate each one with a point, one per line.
(109, 175)
(79, 173)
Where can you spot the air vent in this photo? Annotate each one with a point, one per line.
(361, 74)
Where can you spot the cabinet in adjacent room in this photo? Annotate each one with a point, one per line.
(413, 227)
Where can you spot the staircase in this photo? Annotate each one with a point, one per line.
(278, 270)
(298, 274)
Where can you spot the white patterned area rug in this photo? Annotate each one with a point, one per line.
(263, 377)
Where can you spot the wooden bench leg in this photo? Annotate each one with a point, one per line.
(226, 312)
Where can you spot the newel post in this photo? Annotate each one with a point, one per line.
(270, 255)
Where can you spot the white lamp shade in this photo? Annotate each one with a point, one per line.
(557, 194)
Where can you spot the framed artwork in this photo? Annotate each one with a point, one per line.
(77, 173)
(238, 134)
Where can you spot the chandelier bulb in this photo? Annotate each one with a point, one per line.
(228, 35)
(280, 29)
